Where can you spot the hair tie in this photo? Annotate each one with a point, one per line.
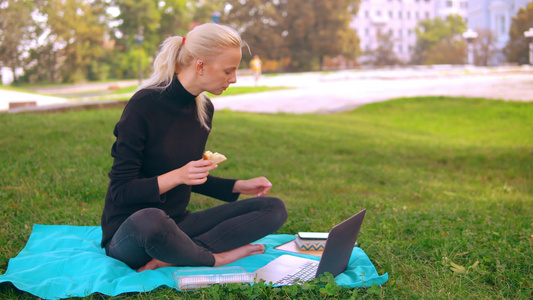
(183, 41)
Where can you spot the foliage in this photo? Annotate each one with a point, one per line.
(517, 48)
(144, 24)
(484, 47)
(304, 31)
(17, 30)
(384, 54)
(447, 183)
(74, 41)
(439, 41)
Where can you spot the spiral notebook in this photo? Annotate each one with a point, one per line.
(289, 269)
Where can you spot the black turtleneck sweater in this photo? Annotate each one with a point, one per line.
(158, 132)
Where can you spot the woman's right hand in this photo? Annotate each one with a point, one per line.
(193, 173)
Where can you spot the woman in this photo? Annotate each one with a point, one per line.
(160, 139)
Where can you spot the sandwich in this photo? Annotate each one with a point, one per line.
(215, 157)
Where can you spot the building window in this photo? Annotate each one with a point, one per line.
(408, 15)
(378, 13)
(417, 16)
(399, 32)
(449, 3)
(367, 31)
(391, 15)
(501, 25)
(427, 14)
(399, 15)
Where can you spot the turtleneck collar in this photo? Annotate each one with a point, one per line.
(176, 92)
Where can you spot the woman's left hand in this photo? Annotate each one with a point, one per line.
(259, 186)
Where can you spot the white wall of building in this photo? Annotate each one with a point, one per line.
(400, 18)
(444, 8)
(495, 15)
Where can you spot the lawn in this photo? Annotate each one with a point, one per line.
(447, 183)
(126, 92)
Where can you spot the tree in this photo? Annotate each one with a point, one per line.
(153, 21)
(439, 41)
(384, 54)
(484, 47)
(76, 33)
(304, 31)
(517, 48)
(261, 26)
(17, 30)
(175, 17)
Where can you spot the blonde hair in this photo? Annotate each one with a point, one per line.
(204, 42)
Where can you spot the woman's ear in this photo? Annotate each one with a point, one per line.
(200, 66)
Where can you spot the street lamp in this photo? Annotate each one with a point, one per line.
(470, 35)
(139, 39)
(529, 36)
(215, 16)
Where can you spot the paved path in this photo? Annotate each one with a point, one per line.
(44, 100)
(328, 92)
(340, 91)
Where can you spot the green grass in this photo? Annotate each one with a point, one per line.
(233, 90)
(126, 92)
(444, 180)
(16, 89)
(238, 90)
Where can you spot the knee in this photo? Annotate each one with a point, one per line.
(153, 223)
(279, 212)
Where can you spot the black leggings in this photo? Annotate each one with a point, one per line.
(151, 233)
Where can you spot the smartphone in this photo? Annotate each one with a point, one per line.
(313, 235)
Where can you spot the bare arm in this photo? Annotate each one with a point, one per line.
(258, 187)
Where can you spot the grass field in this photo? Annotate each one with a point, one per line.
(232, 90)
(447, 182)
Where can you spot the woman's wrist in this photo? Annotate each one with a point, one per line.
(236, 187)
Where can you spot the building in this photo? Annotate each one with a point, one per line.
(495, 15)
(399, 18)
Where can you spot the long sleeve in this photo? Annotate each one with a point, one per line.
(127, 183)
(218, 188)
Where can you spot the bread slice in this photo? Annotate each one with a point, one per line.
(216, 157)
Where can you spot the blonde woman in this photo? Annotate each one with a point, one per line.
(160, 139)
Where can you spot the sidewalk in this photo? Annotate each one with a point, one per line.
(345, 90)
(327, 92)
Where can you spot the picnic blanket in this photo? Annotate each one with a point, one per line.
(61, 261)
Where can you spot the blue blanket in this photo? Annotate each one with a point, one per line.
(62, 261)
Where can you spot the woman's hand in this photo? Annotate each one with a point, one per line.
(193, 173)
(259, 186)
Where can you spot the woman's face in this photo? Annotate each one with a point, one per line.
(220, 72)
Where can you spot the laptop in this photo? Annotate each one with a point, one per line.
(289, 269)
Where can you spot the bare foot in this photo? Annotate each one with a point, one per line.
(153, 264)
(225, 258)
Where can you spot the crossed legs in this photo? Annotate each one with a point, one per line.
(150, 239)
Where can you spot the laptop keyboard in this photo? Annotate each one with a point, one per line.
(306, 273)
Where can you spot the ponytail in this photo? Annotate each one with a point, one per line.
(165, 64)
